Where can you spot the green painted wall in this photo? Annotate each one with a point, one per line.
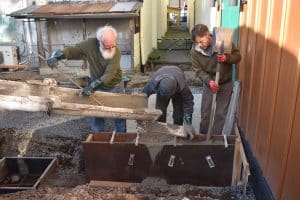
(230, 19)
(230, 16)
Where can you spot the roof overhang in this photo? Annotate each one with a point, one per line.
(80, 11)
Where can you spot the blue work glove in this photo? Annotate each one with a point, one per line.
(188, 128)
(56, 55)
(87, 91)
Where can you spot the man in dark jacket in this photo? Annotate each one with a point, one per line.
(169, 83)
(104, 63)
(204, 62)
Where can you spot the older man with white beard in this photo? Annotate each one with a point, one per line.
(104, 63)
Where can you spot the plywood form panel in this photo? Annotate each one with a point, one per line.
(286, 100)
(292, 174)
(258, 71)
(269, 88)
(245, 104)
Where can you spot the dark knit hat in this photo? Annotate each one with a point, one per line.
(167, 86)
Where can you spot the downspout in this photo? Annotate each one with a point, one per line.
(84, 64)
(194, 13)
(140, 41)
(39, 40)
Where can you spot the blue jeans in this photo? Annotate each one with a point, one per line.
(98, 122)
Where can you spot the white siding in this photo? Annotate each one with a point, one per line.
(154, 23)
(162, 18)
(191, 14)
(136, 52)
(206, 13)
(146, 30)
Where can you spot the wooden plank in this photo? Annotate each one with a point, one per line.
(258, 71)
(237, 163)
(286, 99)
(248, 64)
(246, 174)
(242, 163)
(253, 36)
(49, 98)
(291, 184)
(269, 88)
(113, 184)
(243, 46)
(30, 103)
(15, 67)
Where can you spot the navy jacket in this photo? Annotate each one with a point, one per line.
(182, 90)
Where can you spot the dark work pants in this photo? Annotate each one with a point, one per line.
(223, 99)
(162, 103)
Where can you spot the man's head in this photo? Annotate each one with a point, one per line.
(107, 37)
(201, 36)
(167, 86)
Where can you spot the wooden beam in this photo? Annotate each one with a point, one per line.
(237, 163)
(15, 67)
(113, 184)
(50, 98)
(245, 164)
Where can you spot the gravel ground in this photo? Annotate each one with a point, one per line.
(37, 134)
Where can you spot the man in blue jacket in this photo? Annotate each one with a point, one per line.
(169, 83)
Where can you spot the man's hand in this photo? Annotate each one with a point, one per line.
(213, 86)
(56, 55)
(87, 91)
(221, 58)
(189, 131)
(188, 128)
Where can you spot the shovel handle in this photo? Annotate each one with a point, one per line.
(213, 105)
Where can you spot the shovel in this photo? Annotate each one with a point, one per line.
(214, 103)
(222, 44)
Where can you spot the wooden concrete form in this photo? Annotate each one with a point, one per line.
(29, 172)
(35, 97)
(196, 162)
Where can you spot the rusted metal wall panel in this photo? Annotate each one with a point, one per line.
(270, 78)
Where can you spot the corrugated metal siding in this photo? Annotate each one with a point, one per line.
(79, 9)
(270, 101)
(72, 8)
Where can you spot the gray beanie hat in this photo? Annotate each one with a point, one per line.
(167, 86)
